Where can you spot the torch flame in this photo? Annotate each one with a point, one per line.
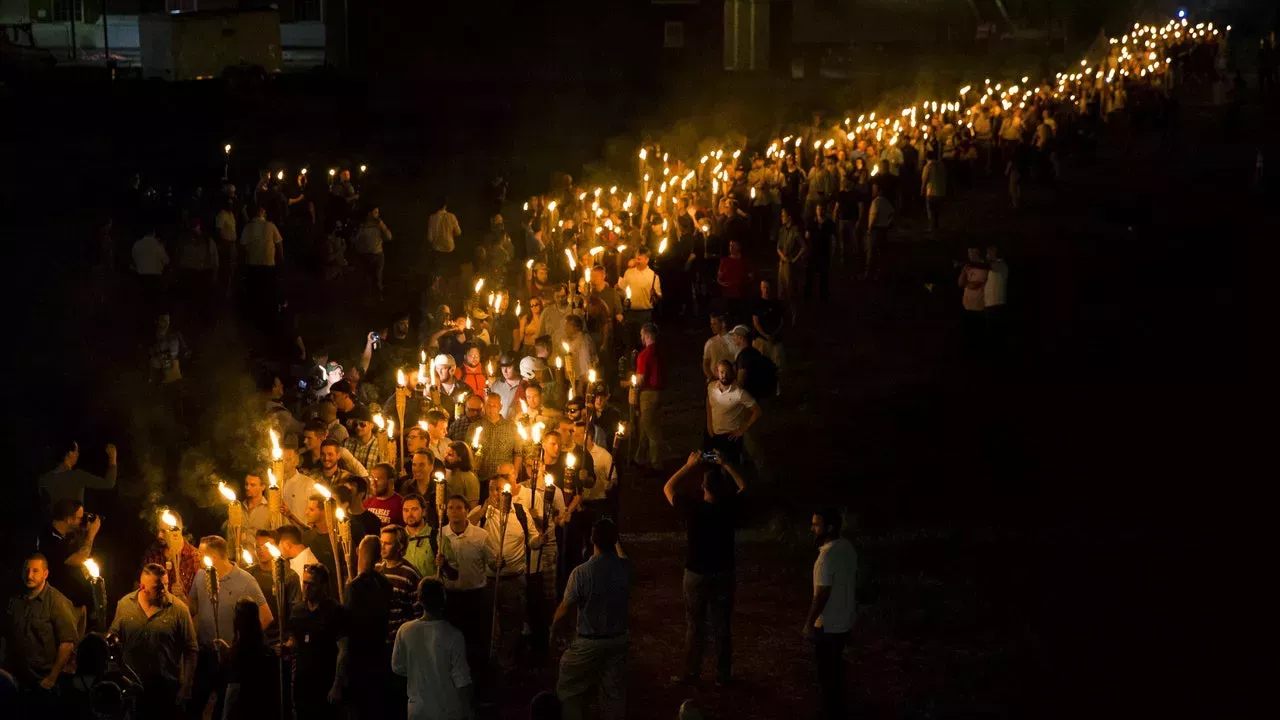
(227, 148)
(92, 566)
(506, 488)
(271, 478)
(479, 285)
(339, 514)
(570, 461)
(168, 518)
(380, 421)
(246, 556)
(537, 431)
(622, 428)
(529, 264)
(275, 551)
(591, 375)
(565, 346)
(276, 451)
(475, 439)
(391, 429)
(559, 362)
(323, 491)
(596, 250)
(208, 561)
(521, 431)
(227, 492)
(662, 246)
(549, 480)
(573, 264)
(439, 476)
(633, 379)
(400, 377)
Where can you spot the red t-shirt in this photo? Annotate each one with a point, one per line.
(649, 368)
(388, 510)
(733, 276)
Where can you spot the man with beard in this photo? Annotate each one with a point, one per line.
(834, 607)
(507, 386)
(310, 459)
(533, 411)
(419, 526)
(460, 478)
(39, 633)
(719, 347)
(385, 503)
(730, 413)
(171, 551)
(472, 410)
(604, 420)
(318, 639)
(462, 562)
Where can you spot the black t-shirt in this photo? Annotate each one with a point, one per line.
(820, 234)
(368, 609)
(56, 548)
(257, 671)
(771, 315)
(709, 529)
(366, 523)
(315, 636)
(762, 374)
(322, 548)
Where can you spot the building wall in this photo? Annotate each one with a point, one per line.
(303, 42)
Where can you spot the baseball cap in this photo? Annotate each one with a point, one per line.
(506, 360)
(361, 412)
(446, 359)
(742, 330)
(599, 388)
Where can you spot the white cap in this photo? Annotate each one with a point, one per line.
(443, 359)
(530, 367)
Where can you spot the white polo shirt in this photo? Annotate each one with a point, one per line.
(149, 257)
(719, 347)
(837, 568)
(993, 292)
(730, 408)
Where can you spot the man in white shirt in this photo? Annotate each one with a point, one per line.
(646, 290)
(149, 256)
(509, 565)
(431, 653)
(293, 550)
(720, 346)
(442, 230)
(263, 250)
(465, 553)
(834, 607)
(730, 412)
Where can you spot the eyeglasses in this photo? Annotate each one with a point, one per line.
(534, 305)
(361, 423)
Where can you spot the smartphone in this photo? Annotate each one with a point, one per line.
(710, 457)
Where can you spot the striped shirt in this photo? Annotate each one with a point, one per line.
(404, 590)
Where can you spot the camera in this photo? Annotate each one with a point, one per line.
(90, 518)
(377, 341)
(710, 456)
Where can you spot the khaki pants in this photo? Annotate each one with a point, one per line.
(594, 662)
(649, 447)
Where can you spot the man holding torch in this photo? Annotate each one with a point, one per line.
(263, 573)
(171, 551)
(511, 537)
(212, 604)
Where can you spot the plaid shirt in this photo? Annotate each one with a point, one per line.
(188, 565)
(458, 429)
(368, 454)
(498, 444)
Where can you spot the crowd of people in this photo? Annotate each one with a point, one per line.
(435, 515)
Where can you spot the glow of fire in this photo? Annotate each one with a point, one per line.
(506, 488)
(380, 421)
(549, 480)
(168, 518)
(273, 550)
(92, 566)
(400, 377)
(227, 492)
(622, 429)
(208, 561)
(475, 439)
(246, 556)
(570, 461)
(339, 514)
(271, 478)
(479, 285)
(323, 491)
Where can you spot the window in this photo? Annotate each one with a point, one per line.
(673, 34)
(63, 10)
(308, 10)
